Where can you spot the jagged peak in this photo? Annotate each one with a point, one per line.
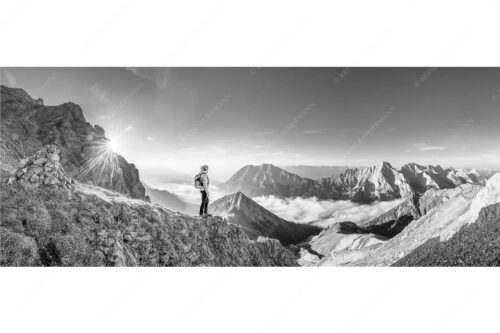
(385, 165)
(413, 166)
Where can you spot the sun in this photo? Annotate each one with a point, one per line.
(112, 144)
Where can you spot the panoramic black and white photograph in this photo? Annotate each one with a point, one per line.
(250, 166)
(235, 166)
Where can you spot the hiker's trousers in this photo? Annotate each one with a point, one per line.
(204, 203)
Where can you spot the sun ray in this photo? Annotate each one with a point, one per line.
(102, 165)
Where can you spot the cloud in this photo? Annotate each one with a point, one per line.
(150, 138)
(425, 147)
(8, 77)
(323, 212)
(160, 76)
(128, 128)
(99, 93)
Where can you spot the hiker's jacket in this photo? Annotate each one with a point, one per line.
(205, 181)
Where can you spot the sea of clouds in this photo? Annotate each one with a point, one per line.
(323, 212)
(301, 210)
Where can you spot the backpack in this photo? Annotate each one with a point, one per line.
(198, 182)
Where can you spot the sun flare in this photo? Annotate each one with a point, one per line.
(112, 144)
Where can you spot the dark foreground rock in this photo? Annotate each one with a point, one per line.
(54, 226)
(477, 244)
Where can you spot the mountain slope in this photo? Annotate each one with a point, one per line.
(462, 207)
(27, 125)
(258, 221)
(341, 236)
(477, 244)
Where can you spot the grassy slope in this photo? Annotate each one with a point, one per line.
(477, 244)
(54, 227)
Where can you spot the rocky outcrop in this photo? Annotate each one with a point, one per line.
(27, 125)
(392, 222)
(91, 226)
(43, 168)
(257, 221)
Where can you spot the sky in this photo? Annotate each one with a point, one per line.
(181, 118)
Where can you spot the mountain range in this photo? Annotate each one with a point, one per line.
(377, 183)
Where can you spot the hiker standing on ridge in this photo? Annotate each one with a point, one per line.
(202, 183)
